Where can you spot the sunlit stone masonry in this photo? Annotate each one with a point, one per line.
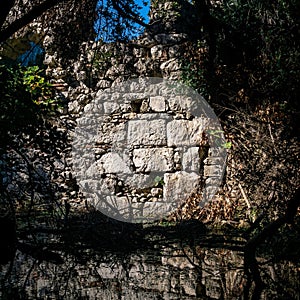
(137, 154)
(140, 149)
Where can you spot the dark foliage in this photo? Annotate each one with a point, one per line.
(17, 109)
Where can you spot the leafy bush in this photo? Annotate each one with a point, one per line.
(194, 77)
(17, 108)
(253, 49)
(262, 37)
(24, 94)
(39, 88)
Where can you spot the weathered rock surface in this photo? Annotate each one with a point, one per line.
(136, 133)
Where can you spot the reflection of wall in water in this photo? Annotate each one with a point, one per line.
(137, 276)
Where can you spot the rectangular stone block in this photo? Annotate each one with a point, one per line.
(191, 160)
(147, 133)
(213, 170)
(159, 208)
(157, 103)
(109, 133)
(185, 132)
(179, 186)
(180, 103)
(214, 160)
(153, 159)
(114, 163)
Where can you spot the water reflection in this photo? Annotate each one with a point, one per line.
(91, 258)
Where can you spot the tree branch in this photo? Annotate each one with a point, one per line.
(27, 18)
(127, 13)
(271, 228)
(250, 262)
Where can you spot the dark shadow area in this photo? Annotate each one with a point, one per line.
(93, 255)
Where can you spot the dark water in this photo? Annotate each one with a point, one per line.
(90, 258)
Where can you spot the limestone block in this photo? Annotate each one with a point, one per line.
(155, 116)
(179, 185)
(189, 285)
(110, 133)
(182, 103)
(50, 60)
(103, 84)
(144, 132)
(157, 208)
(177, 157)
(145, 106)
(123, 209)
(93, 110)
(157, 103)
(185, 132)
(153, 159)
(107, 272)
(47, 42)
(103, 187)
(176, 259)
(113, 163)
(138, 181)
(117, 207)
(216, 151)
(190, 160)
(208, 193)
(94, 171)
(217, 160)
(87, 122)
(213, 181)
(213, 170)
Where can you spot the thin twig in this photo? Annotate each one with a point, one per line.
(244, 196)
(272, 138)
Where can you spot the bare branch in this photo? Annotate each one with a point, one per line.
(35, 12)
(128, 13)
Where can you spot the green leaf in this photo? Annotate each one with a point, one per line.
(227, 145)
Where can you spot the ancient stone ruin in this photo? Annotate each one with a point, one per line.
(140, 149)
(171, 151)
(145, 149)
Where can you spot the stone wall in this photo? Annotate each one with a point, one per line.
(159, 52)
(139, 145)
